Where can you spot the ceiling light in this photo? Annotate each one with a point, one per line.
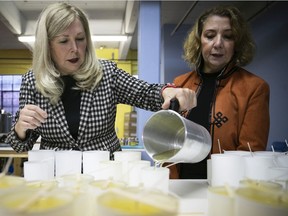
(26, 39)
(109, 37)
(94, 38)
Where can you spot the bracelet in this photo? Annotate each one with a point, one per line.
(168, 85)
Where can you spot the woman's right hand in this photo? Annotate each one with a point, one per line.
(30, 117)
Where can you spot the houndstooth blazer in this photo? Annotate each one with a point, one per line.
(97, 112)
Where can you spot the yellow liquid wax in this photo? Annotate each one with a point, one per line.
(27, 199)
(42, 184)
(261, 185)
(4, 185)
(10, 181)
(219, 190)
(265, 197)
(41, 204)
(132, 207)
(136, 202)
(126, 206)
(165, 156)
(107, 184)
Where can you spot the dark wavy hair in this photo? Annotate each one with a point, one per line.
(244, 44)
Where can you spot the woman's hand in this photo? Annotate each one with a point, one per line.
(30, 117)
(186, 97)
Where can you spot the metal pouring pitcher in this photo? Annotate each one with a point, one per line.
(169, 137)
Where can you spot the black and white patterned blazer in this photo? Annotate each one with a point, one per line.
(97, 112)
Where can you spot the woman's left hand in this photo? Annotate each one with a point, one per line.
(186, 97)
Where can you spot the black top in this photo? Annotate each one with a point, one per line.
(201, 115)
(71, 99)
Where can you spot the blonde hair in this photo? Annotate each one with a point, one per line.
(52, 21)
(244, 44)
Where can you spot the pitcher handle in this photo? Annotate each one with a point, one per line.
(174, 104)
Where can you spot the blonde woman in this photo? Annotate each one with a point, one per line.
(69, 98)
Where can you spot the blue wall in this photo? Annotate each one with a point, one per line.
(270, 31)
(149, 38)
(172, 51)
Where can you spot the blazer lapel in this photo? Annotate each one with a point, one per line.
(60, 119)
(85, 111)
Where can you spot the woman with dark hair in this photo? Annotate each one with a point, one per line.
(232, 103)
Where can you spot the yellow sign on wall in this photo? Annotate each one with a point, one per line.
(127, 66)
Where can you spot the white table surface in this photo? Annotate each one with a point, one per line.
(192, 196)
